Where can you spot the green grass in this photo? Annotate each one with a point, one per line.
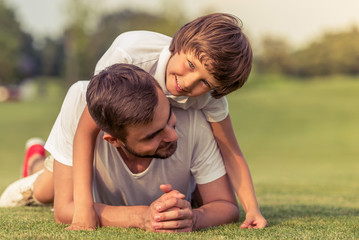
(300, 139)
(22, 120)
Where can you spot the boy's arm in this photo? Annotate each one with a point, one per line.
(238, 172)
(83, 151)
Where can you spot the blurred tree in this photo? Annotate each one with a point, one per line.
(18, 58)
(10, 45)
(110, 26)
(30, 60)
(334, 53)
(52, 57)
(91, 31)
(81, 14)
(274, 56)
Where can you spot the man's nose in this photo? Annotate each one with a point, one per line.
(171, 135)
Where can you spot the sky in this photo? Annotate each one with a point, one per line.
(297, 21)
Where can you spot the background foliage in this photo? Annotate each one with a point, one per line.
(72, 56)
(90, 32)
(333, 53)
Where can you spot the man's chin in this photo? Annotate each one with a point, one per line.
(161, 153)
(168, 152)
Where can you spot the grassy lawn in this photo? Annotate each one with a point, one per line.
(300, 139)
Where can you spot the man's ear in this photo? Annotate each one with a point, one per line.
(112, 140)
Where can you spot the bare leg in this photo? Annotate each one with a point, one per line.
(36, 185)
(36, 163)
(44, 187)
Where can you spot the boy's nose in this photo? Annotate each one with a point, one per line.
(191, 82)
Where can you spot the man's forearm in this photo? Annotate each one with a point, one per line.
(121, 216)
(214, 214)
(144, 217)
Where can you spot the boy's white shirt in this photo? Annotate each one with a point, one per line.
(196, 160)
(150, 51)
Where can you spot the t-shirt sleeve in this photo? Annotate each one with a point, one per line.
(60, 141)
(216, 110)
(115, 54)
(207, 163)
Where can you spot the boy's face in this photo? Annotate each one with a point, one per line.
(187, 76)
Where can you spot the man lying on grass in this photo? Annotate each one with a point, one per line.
(149, 161)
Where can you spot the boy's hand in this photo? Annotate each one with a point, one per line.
(254, 220)
(84, 219)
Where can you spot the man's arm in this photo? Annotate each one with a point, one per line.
(219, 205)
(144, 217)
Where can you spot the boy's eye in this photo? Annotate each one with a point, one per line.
(206, 83)
(190, 65)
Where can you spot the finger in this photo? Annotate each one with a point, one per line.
(158, 217)
(261, 225)
(166, 231)
(178, 214)
(172, 225)
(245, 224)
(162, 205)
(172, 194)
(74, 227)
(189, 229)
(166, 188)
(171, 203)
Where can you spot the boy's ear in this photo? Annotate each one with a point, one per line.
(112, 140)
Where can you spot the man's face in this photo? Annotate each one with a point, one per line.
(157, 139)
(186, 75)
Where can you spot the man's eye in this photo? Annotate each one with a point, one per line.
(190, 65)
(149, 138)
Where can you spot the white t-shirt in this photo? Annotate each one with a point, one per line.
(60, 140)
(150, 51)
(196, 160)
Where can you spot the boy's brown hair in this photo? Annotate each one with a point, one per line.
(217, 41)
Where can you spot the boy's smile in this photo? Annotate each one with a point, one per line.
(187, 76)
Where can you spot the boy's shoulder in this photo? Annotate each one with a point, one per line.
(142, 36)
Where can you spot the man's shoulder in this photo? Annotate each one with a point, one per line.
(179, 112)
(188, 118)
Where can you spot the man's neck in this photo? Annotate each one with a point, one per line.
(135, 164)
